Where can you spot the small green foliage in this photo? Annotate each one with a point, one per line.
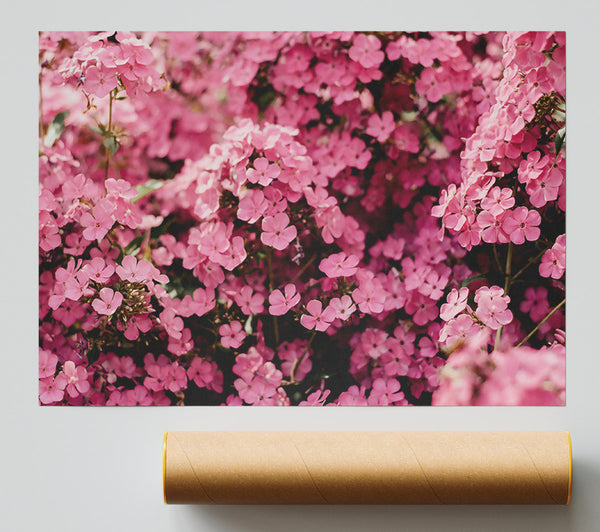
(146, 188)
(559, 140)
(111, 143)
(55, 129)
(469, 280)
(248, 326)
(133, 247)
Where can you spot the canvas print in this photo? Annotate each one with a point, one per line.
(302, 218)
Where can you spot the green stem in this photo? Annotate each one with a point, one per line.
(109, 132)
(304, 268)
(531, 261)
(299, 360)
(145, 245)
(496, 257)
(113, 242)
(546, 318)
(507, 282)
(508, 269)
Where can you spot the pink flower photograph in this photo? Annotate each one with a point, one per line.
(302, 218)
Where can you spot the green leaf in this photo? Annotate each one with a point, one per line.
(100, 130)
(110, 143)
(146, 188)
(55, 129)
(134, 246)
(248, 326)
(469, 280)
(559, 139)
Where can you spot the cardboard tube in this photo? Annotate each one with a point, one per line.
(367, 467)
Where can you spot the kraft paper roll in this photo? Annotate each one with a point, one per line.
(367, 467)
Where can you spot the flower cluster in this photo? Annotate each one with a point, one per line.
(254, 218)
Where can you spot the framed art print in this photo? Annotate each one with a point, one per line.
(302, 218)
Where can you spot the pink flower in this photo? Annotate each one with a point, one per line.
(456, 302)
(232, 334)
(522, 224)
(332, 223)
(366, 50)
(255, 390)
(133, 271)
(263, 172)
(140, 271)
(177, 378)
(540, 381)
(554, 260)
(276, 232)
(373, 341)
(77, 382)
(172, 323)
(182, 345)
(203, 301)
(422, 308)
(492, 226)
(290, 354)
(433, 285)
(317, 318)
(108, 302)
(533, 167)
(100, 81)
(498, 200)
(396, 361)
(158, 376)
(120, 188)
(280, 303)
(249, 301)
(339, 265)
(52, 389)
(432, 84)
(77, 187)
(492, 307)
(458, 330)
(370, 297)
(317, 398)
(252, 206)
(535, 303)
(385, 392)
(135, 325)
(97, 270)
(139, 396)
(235, 255)
(47, 363)
(136, 51)
(205, 374)
(545, 189)
(381, 127)
(353, 396)
(49, 237)
(212, 240)
(344, 307)
(319, 198)
(112, 56)
(97, 223)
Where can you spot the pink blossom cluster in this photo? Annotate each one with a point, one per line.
(516, 376)
(253, 218)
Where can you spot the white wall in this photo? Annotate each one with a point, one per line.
(91, 469)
